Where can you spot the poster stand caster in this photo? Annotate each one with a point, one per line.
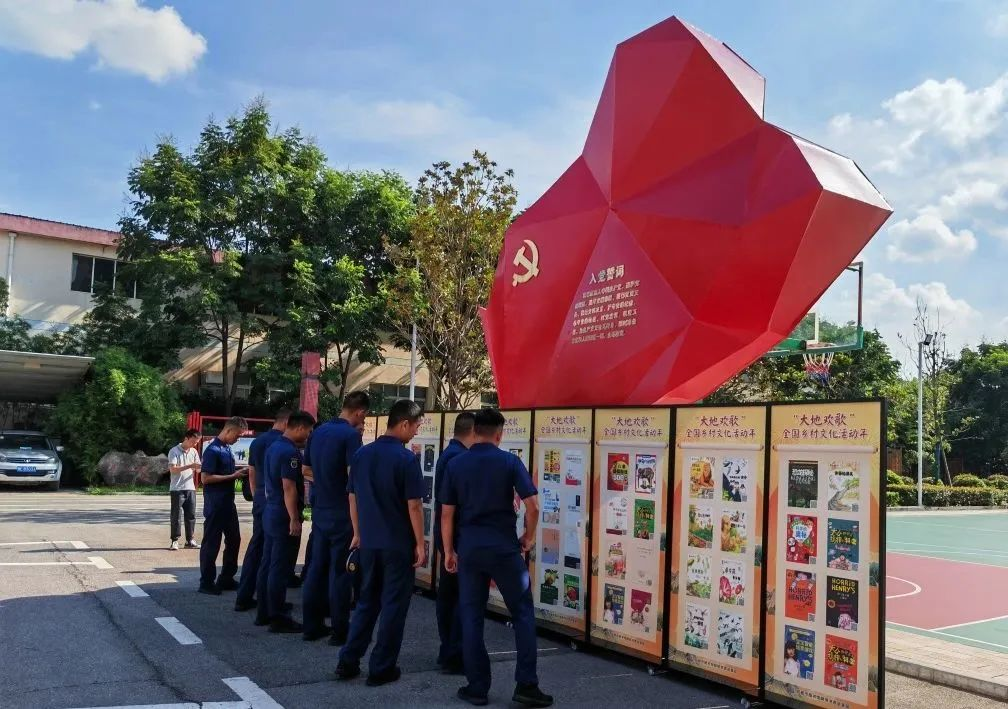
(748, 703)
(575, 646)
(654, 671)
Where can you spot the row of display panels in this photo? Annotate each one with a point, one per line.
(773, 580)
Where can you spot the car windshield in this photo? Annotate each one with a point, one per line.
(20, 441)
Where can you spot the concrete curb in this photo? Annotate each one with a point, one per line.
(964, 508)
(934, 675)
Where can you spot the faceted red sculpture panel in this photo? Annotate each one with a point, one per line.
(688, 238)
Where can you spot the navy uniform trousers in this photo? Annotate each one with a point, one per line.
(220, 521)
(253, 555)
(508, 570)
(448, 618)
(327, 586)
(280, 551)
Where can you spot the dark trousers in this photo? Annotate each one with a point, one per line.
(386, 590)
(327, 587)
(220, 520)
(448, 619)
(253, 557)
(278, 560)
(308, 551)
(508, 570)
(183, 502)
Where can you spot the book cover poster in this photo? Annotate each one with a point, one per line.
(697, 627)
(550, 506)
(517, 452)
(730, 641)
(844, 486)
(428, 457)
(640, 609)
(733, 531)
(801, 539)
(698, 576)
(645, 473)
(574, 467)
(551, 466)
(701, 527)
(735, 481)
(572, 591)
(800, 595)
(803, 484)
(841, 663)
(427, 520)
(644, 519)
(548, 591)
(702, 477)
(617, 514)
(615, 565)
(575, 506)
(572, 548)
(731, 587)
(612, 604)
(799, 652)
(841, 603)
(842, 544)
(428, 482)
(551, 546)
(618, 472)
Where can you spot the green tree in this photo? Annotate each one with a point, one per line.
(978, 407)
(121, 405)
(444, 274)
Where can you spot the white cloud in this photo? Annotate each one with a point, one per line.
(950, 109)
(998, 25)
(94, 105)
(979, 193)
(122, 34)
(928, 239)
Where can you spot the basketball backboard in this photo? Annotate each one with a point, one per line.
(835, 322)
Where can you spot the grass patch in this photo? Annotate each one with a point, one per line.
(126, 489)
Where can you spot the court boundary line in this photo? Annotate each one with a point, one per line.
(950, 635)
(972, 622)
(917, 588)
(950, 561)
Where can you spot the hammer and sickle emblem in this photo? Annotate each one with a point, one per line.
(531, 265)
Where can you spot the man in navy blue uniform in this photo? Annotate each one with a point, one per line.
(282, 522)
(327, 458)
(257, 479)
(220, 516)
(449, 623)
(386, 492)
(479, 498)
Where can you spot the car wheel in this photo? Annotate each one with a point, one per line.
(53, 486)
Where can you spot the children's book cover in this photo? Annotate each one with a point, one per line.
(702, 477)
(731, 587)
(841, 663)
(801, 539)
(640, 609)
(617, 512)
(734, 532)
(645, 473)
(697, 627)
(551, 466)
(731, 630)
(698, 576)
(550, 506)
(618, 472)
(644, 519)
(548, 591)
(701, 527)
(844, 486)
(803, 483)
(800, 595)
(799, 652)
(615, 565)
(842, 544)
(841, 603)
(735, 479)
(572, 591)
(612, 604)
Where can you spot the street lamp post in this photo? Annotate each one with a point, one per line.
(920, 417)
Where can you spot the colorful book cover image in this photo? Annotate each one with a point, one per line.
(550, 506)
(698, 576)
(701, 527)
(645, 473)
(800, 596)
(730, 635)
(799, 652)
(644, 519)
(640, 609)
(735, 479)
(801, 539)
(702, 477)
(844, 486)
(841, 603)
(551, 466)
(548, 591)
(572, 591)
(803, 484)
(618, 472)
(841, 663)
(731, 587)
(612, 604)
(842, 544)
(615, 566)
(617, 512)
(697, 627)
(550, 546)
(733, 531)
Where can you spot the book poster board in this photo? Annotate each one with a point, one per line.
(717, 544)
(825, 588)
(628, 532)
(427, 445)
(517, 439)
(370, 432)
(381, 425)
(558, 564)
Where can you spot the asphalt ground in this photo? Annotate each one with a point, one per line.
(89, 592)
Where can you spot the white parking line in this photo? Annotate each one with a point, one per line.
(100, 563)
(513, 652)
(132, 589)
(78, 545)
(251, 693)
(50, 563)
(75, 545)
(150, 706)
(178, 631)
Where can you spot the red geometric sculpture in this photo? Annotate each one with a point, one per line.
(688, 238)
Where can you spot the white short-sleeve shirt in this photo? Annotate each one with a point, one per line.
(179, 456)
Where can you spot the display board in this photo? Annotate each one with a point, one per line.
(825, 575)
(370, 432)
(381, 425)
(427, 446)
(716, 553)
(628, 532)
(562, 473)
(517, 439)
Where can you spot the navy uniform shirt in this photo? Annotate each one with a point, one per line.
(453, 450)
(283, 462)
(384, 475)
(482, 483)
(257, 459)
(218, 460)
(329, 452)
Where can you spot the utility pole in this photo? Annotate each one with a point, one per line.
(920, 417)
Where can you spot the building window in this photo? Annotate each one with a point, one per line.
(384, 395)
(90, 272)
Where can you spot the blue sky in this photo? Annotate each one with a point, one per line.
(916, 93)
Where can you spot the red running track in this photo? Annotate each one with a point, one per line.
(951, 592)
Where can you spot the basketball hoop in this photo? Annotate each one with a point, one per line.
(817, 366)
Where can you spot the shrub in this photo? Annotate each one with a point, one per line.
(999, 482)
(894, 478)
(893, 499)
(939, 496)
(967, 480)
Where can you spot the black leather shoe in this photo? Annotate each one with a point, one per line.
(347, 672)
(260, 621)
(209, 590)
(389, 675)
(227, 585)
(284, 624)
(466, 695)
(294, 582)
(338, 639)
(452, 667)
(531, 696)
(317, 633)
(242, 606)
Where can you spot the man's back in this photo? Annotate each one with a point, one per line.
(283, 460)
(257, 459)
(383, 476)
(452, 451)
(329, 452)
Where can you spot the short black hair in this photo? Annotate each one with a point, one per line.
(300, 419)
(404, 410)
(236, 422)
(488, 421)
(464, 423)
(357, 400)
(191, 433)
(282, 415)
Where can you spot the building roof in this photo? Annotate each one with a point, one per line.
(56, 230)
(34, 376)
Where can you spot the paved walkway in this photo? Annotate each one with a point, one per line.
(952, 664)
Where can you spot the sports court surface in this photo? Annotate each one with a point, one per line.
(947, 576)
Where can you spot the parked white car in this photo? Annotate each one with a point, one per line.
(30, 458)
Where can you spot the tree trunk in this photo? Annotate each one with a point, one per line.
(225, 326)
(237, 367)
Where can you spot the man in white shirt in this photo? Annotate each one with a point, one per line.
(183, 462)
